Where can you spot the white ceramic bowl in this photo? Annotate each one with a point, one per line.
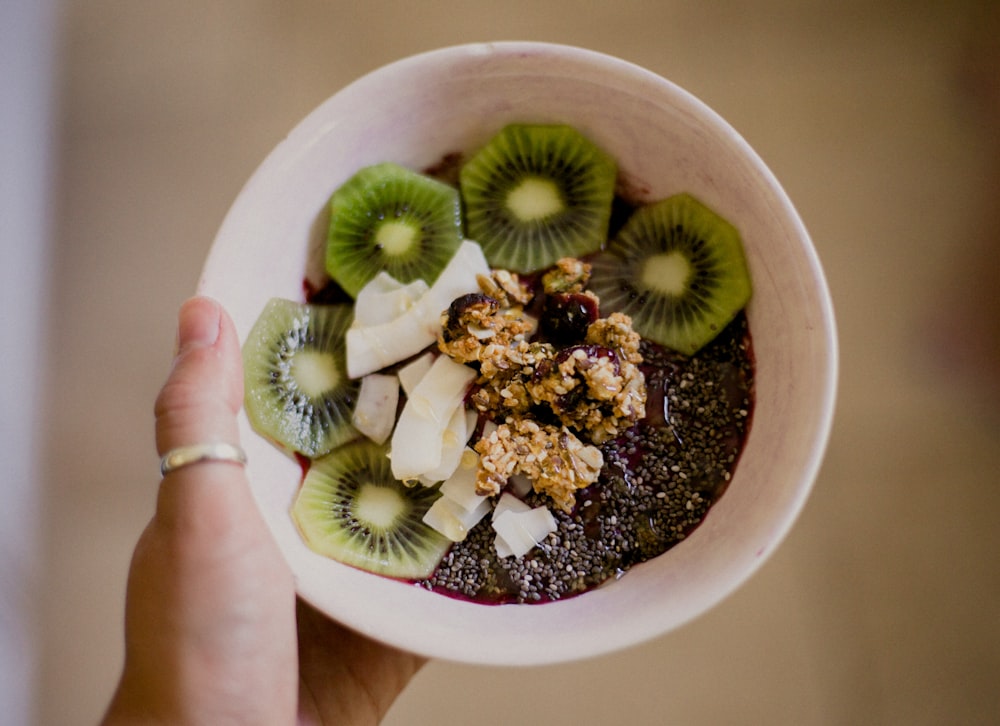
(415, 111)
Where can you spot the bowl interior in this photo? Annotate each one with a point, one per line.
(416, 111)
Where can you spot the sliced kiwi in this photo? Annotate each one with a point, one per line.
(387, 217)
(678, 269)
(536, 193)
(296, 389)
(351, 509)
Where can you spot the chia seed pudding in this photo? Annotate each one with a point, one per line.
(659, 480)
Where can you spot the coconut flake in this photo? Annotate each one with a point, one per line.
(385, 298)
(460, 487)
(508, 502)
(375, 412)
(418, 441)
(519, 532)
(452, 520)
(452, 443)
(412, 372)
(373, 347)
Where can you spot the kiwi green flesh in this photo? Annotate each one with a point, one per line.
(536, 193)
(387, 217)
(678, 270)
(351, 509)
(296, 389)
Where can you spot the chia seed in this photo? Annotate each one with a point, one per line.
(659, 480)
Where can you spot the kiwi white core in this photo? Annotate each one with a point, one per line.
(534, 198)
(667, 273)
(378, 506)
(314, 372)
(395, 238)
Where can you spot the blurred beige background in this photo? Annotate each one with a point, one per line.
(880, 608)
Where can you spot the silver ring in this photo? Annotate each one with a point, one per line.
(187, 455)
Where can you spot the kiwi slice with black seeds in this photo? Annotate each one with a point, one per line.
(351, 509)
(387, 217)
(678, 269)
(536, 193)
(296, 389)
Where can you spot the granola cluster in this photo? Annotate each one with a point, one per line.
(475, 322)
(556, 461)
(596, 387)
(567, 275)
(552, 403)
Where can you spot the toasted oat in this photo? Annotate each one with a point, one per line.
(505, 287)
(568, 275)
(615, 332)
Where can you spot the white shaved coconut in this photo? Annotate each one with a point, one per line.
(418, 440)
(508, 501)
(372, 347)
(460, 487)
(412, 372)
(375, 412)
(481, 333)
(384, 298)
(456, 436)
(519, 532)
(456, 279)
(471, 419)
(452, 443)
(452, 520)
(459, 509)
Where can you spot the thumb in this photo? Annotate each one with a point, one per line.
(199, 402)
(198, 405)
(209, 618)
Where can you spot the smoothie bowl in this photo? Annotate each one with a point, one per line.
(569, 465)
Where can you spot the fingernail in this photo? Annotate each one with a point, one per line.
(198, 323)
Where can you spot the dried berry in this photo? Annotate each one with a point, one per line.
(465, 311)
(566, 316)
